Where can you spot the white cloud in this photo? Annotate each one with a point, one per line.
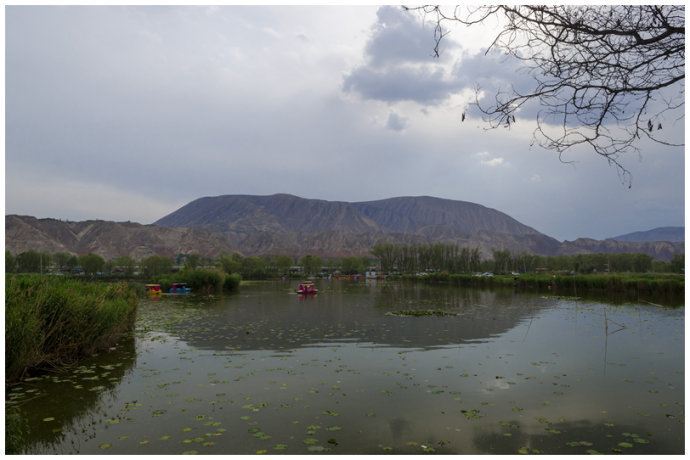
(493, 162)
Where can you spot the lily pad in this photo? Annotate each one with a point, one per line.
(471, 414)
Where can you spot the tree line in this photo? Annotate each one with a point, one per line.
(506, 262)
(252, 267)
(388, 257)
(412, 258)
(451, 258)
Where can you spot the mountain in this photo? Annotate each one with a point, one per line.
(286, 224)
(108, 239)
(293, 225)
(672, 234)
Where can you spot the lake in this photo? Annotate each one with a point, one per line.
(268, 371)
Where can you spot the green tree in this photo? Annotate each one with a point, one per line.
(32, 262)
(283, 264)
(156, 265)
(60, 260)
(311, 264)
(254, 268)
(387, 255)
(9, 262)
(124, 263)
(353, 265)
(502, 261)
(678, 263)
(192, 261)
(72, 262)
(91, 263)
(230, 263)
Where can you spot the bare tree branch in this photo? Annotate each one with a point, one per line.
(605, 76)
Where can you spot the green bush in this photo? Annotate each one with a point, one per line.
(51, 321)
(232, 282)
(202, 281)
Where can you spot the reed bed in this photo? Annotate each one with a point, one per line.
(53, 321)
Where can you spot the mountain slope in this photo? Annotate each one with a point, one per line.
(293, 225)
(662, 250)
(672, 234)
(108, 239)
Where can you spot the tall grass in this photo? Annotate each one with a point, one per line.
(53, 321)
(16, 431)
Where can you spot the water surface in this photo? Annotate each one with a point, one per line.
(267, 371)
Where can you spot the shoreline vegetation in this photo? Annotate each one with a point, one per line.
(631, 276)
(52, 322)
(631, 286)
(202, 281)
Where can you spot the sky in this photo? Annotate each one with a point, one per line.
(127, 113)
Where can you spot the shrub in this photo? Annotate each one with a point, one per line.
(203, 281)
(232, 282)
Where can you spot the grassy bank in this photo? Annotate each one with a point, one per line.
(630, 284)
(53, 321)
(202, 281)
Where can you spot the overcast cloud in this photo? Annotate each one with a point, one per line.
(127, 113)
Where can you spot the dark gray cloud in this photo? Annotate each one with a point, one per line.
(492, 70)
(399, 65)
(399, 62)
(495, 74)
(396, 122)
(398, 36)
(424, 85)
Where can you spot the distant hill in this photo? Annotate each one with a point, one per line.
(662, 250)
(108, 239)
(286, 224)
(672, 234)
(292, 225)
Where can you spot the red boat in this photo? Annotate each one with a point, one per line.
(306, 287)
